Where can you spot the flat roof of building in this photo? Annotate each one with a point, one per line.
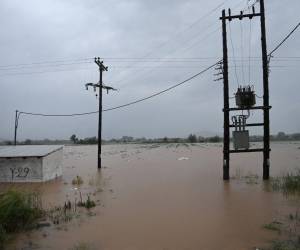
(28, 150)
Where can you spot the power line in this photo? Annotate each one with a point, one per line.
(233, 54)
(283, 41)
(3, 68)
(123, 105)
(242, 51)
(249, 52)
(59, 115)
(163, 91)
(47, 62)
(155, 67)
(178, 47)
(179, 33)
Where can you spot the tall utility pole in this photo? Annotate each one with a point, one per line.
(265, 107)
(101, 86)
(266, 164)
(226, 102)
(16, 127)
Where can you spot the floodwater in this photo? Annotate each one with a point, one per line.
(165, 197)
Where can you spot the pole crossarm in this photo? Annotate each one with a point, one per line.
(100, 64)
(241, 15)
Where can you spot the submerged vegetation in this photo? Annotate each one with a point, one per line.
(87, 204)
(289, 229)
(273, 226)
(285, 245)
(77, 180)
(249, 178)
(82, 246)
(288, 184)
(18, 211)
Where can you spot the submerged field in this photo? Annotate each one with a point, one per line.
(163, 196)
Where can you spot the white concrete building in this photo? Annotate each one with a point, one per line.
(34, 163)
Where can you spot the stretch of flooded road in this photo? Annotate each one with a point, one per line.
(165, 197)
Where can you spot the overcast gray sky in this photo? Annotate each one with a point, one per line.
(164, 35)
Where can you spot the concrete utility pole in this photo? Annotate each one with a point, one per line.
(101, 86)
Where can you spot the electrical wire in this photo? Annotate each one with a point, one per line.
(233, 54)
(47, 62)
(249, 58)
(20, 67)
(242, 52)
(163, 91)
(174, 36)
(283, 41)
(185, 49)
(141, 68)
(127, 104)
(58, 115)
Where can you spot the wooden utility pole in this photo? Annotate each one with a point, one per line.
(16, 127)
(101, 69)
(101, 86)
(226, 102)
(266, 163)
(265, 107)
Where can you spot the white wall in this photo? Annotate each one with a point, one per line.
(52, 165)
(21, 169)
(31, 169)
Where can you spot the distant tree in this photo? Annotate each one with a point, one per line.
(88, 140)
(295, 136)
(91, 140)
(73, 138)
(46, 141)
(127, 139)
(192, 138)
(201, 139)
(214, 139)
(27, 142)
(8, 143)
(281, 136)
(165, 139)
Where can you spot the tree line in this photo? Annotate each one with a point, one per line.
(191, 138)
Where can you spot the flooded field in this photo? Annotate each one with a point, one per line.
(164, 196)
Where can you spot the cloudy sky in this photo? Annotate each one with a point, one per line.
(47, 47)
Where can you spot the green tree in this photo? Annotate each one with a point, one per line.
(27, 142)
(214, 139)
(281, 136)
(73, 138)
(192, 138)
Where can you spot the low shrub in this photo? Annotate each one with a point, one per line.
(18, 211)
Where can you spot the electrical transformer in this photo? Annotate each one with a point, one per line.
(240, 135)
(245, 97)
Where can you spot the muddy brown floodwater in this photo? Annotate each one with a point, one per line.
(164, 197)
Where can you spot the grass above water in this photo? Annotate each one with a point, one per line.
(18, 211)
(288, 184)
(77, 181)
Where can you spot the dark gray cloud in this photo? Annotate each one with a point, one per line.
(37, 31)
